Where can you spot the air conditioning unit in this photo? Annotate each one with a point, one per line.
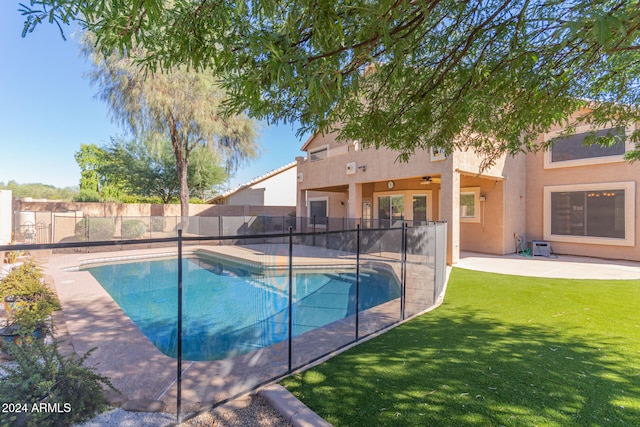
(300, 176)
(540, 248)
(351, 168)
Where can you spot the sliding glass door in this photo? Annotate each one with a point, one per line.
(390, 210)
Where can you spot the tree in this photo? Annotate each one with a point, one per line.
(96, 184)
(179, 105)
(205, 173)
(88, 159)
(405, 74)
(139, 170)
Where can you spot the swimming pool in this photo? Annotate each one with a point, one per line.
(230, 309)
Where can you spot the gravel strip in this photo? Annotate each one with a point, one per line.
(258, 413)
(121, 418)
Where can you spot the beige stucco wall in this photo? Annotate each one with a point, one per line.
(136, 210)
(611, 172)
(503, 213)
(276, 190)
(60, 218)
(5, 217)
(247, 196)
(538, 178)
(515, 197)
(280, 189)
(503, 184)
(513, 187)
(487, 234)
(371, 165)
(337, 203)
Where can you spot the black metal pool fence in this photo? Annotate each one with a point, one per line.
(414, 255)
(60, 227)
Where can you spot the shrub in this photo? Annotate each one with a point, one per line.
(41, 376)
(34, 301)
(158, 223)
(131, 198)
(88, 196)
(133, 229)
(259, 224)
(95, 229)
(12, 256)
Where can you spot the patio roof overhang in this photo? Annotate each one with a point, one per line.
(481, 175)
(334, 188)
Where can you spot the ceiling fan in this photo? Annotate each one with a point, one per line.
(430, 180)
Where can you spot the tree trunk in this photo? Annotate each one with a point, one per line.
(181, 150)
(183, 165)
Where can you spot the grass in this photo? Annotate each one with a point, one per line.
(501, 351)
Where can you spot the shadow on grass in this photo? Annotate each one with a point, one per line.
(469, 370)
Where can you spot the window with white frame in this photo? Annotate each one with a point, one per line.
(470, 204)
(571, 150)
(318, 211)
(318, 153)
(438, 154)
(590, 213)
(390, 209)
(420, 215)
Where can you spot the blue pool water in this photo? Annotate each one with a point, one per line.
(230, 310)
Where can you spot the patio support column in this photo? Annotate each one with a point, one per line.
(354, 208)
(301, 207)
(450, 209)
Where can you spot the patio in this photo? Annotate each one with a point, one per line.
(561, 267)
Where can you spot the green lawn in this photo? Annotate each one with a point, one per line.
(501, 350)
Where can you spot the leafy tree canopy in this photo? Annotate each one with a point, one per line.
(144, 171)
(406, 74)
(90, 158)
(177, 105)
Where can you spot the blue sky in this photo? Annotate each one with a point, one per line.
(47, 109)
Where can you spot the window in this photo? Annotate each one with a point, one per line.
(318, 153)
(588, 213)
(390, 210)
(318, 208)
(469, 204)
(573, 148)
(571, 151)
(438, 154)
(593, 213)
(419, 209)
(366, 214)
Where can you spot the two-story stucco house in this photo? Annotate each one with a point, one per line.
(582, 200)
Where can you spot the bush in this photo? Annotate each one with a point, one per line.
(158, 223)
(42, 377)
(34, 301)
(88, 196)
(131, 198)
(259, 224)
(95, 229)
(133, 229)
